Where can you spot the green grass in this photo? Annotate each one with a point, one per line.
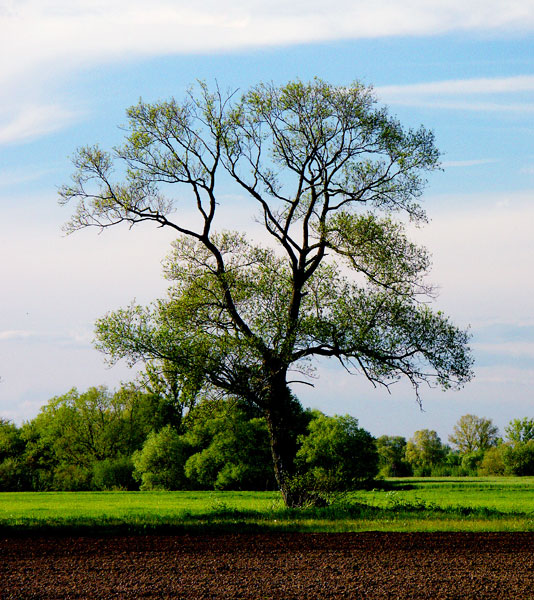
(467, 504)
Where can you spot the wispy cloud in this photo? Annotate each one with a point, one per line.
(17, 176)
(33, 121)
(464, 94)
(73, 338)
(468, 163)
(64, 34)
(455, 87)
(16, 334)
(48, 39)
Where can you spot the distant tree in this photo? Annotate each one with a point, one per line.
(81, 435)
(492, 462)
(11, 441)
(176, 395)
(337, 453)
(13, 474)
(424, 451)
(391, 456)
(159, 465)
(520, 431)
(519, 458)
(328, 172)
(472, 434)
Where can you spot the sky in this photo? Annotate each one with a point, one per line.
(462, 69)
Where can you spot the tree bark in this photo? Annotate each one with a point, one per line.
(285, 421)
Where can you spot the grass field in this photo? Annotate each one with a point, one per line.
(467, 504)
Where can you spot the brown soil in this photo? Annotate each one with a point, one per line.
(359, 565)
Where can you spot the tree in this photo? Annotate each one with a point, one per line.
(472, 434)
(391, 456)
(425, 451)
(519, 458)
(337, 454)
(13, 475)
(327, 170)
(520, 431)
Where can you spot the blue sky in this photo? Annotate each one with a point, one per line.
(464, 70)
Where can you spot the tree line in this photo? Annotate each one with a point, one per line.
(135, 439)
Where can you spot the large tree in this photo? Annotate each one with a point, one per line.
(331, 177)
(473, 434)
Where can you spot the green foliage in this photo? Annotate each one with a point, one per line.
(13, 475)
(492, 463)
(474, 434)
(424, 451)
(72, 478)
(471, 462)
(230, 450)
(520, 430)
(159, 465)
(113, 474)
(391, 456)
(519, 458)
(337, 454)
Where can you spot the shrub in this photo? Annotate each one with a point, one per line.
(160, 463)
(72, 478)
(114, 474)
(13, 476)
(492, 463)
(519, 459)
(337, 454)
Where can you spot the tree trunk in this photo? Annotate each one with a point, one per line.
(285, 420)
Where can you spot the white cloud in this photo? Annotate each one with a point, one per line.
(510, 349)
(455, 87)
(32, 122)
(62, 34)
(462, 94)
(467, 163)
(47, 39)
(483, 254)
(16, 334)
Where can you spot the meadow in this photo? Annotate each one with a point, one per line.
(425, 504)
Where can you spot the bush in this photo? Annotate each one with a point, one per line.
(72, 478)
(230, 449)
(337, 454)
(471, 462)
(519, 458)
(13, 476)
(114, 474)
(492, 463)
(159, 465)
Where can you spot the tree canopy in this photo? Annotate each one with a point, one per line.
(330, 175)
(472, 434)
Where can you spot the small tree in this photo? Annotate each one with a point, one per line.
(328, 171)
(159, 465)
(493, 463)
(425, 451)
(392, 456)
(337, 453)
(473, 434)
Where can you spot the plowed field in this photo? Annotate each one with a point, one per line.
(359, 565)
